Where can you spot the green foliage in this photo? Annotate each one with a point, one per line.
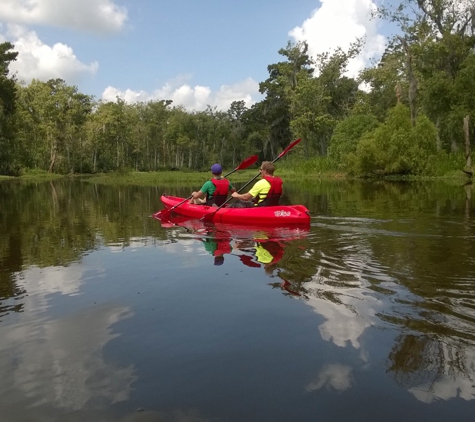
(347, 134)
(396, 147)
(162, 178)
(8, 162)
(7, 84)
(446, 165)
(319, 103)
(51, 116)
(381, 82)
(284, 78)
(320, 166)
(37, 174)
(436, 50)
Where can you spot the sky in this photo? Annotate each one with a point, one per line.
(194, 52)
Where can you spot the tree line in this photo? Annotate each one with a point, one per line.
(409, 113)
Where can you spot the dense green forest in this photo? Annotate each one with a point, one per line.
(410, 114)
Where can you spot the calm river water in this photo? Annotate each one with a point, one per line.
(367, 315)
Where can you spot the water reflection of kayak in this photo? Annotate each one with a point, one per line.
(235, 231)
(279, 215)
(260, 247)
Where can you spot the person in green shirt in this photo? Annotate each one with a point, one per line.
(214, 192)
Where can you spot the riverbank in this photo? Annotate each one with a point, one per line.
(173, 178)
(182, 178)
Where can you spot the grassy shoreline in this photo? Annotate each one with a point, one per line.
(178, 178)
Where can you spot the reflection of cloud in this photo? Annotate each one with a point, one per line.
(60, 362)
(334, 376)
(347, 317)
(342, 326)
(454, 378)
(49, 280)
(447, 387)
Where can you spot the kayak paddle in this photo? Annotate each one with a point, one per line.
(244, 165)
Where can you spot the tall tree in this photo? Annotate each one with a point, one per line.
(318, 103)
(438, 38)
(7, 108)
(51, 121)
(278, 88)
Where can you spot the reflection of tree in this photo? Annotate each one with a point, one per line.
(413, 360)
(55, 223)
(433, 368)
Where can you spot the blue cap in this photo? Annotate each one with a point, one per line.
(216, 169)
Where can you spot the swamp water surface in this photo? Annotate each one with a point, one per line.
(367, 315)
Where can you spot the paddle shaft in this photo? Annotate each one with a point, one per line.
(285, 151)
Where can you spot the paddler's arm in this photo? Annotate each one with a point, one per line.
(202, 192)
(244, 197)
(197, 194)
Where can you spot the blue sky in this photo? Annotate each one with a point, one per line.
(195, 52)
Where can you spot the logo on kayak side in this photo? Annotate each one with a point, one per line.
(282, 213)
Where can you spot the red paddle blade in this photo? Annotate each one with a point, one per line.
(161, 214)
(247, 162)
(286, 150)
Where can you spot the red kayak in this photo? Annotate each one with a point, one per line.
(280, 215)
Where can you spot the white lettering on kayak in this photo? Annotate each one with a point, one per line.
(282, 213)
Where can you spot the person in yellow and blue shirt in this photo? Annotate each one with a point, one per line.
(266, 192)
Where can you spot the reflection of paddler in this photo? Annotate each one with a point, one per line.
(217, 247)
(272, 252)
(248, 261)
(267, 252)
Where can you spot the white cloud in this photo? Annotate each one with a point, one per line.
(129, 96)
(192, 98)
(338, 23)
(245, 90)
(37, 60)
(103, 16)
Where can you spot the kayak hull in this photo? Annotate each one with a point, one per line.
(280, 215)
